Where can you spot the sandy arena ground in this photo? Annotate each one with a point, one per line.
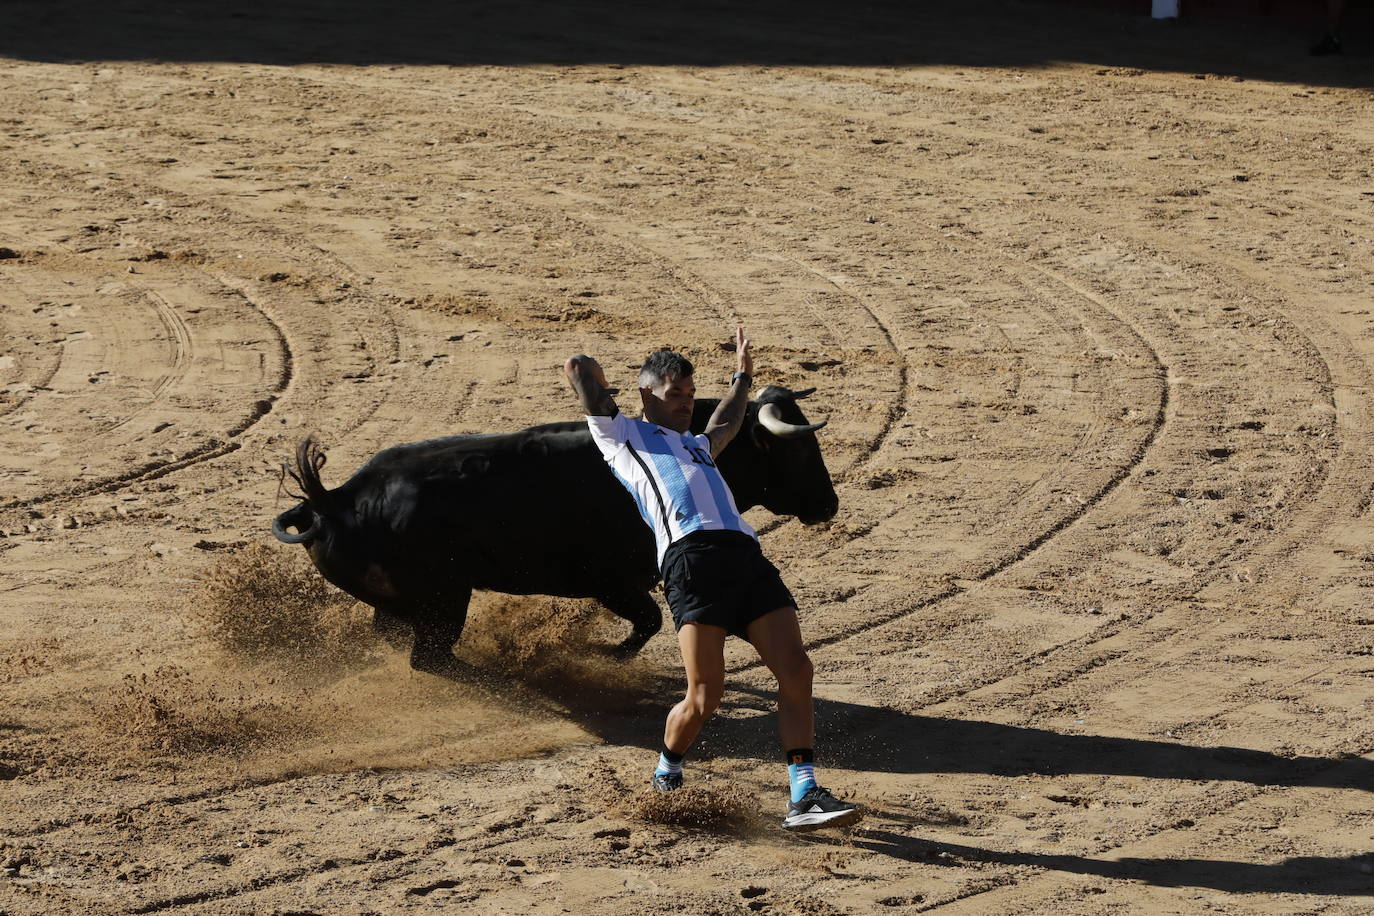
(1092, 320)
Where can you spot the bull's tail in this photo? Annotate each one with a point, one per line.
(306, 523)
(308, 517)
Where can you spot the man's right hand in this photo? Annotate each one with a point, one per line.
(589, 381)
(584, 365)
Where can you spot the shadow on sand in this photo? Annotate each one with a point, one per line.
(974, 33)
(875, 739)
(880, 740)
(1333, 876)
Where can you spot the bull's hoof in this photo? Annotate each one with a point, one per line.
(451, 669)
(627, 649)
(441, 665)
(394, 630)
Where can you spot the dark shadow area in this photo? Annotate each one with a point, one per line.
(885, 741)
(1300, 875)
(975, 33)
(881, 740)
(873, 738)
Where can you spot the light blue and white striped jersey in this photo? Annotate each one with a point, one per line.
(672, 477)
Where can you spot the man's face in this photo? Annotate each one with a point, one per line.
(670, 403)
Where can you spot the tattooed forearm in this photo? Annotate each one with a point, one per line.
(728, 417)
(589, 381)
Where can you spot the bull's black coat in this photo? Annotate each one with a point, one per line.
(419, 526)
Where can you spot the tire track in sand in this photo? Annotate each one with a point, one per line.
(182, 345)
(180, 340)
(1045, 535)
(1102, 632)
(1023, 551)
(1038, 541)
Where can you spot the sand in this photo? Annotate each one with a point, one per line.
(1092, 320)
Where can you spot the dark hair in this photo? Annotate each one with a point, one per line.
(662, 365)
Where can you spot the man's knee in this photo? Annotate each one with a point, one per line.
(796, 675)
(703, 699)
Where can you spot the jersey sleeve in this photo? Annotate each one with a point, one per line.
(609, 433)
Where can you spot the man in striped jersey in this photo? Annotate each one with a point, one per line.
(716, 579)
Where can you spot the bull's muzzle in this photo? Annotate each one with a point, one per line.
(821, 512)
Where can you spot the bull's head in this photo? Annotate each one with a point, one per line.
(793, 478)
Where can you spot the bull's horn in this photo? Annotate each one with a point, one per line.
(804, 393)
(775, 424)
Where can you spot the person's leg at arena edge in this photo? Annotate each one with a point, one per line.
(1330, 43)
(703, 656)
(777, 638)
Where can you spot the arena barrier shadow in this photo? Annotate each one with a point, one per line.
(888, 33)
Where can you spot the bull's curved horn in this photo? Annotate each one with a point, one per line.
(804, 393)
(775, 424)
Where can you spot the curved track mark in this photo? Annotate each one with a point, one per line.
(898, 408)
(47, 379)
(179, 336)
(288, 359)
(1029, 547)
(207, 451)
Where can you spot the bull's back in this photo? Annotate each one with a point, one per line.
(533, 512)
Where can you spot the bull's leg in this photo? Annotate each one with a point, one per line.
(391, 628)
(438, 624)
(643, 614)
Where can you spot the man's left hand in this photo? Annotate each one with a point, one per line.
(744, 360)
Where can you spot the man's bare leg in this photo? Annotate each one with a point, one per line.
(703, 655)
(777, 638)
(1331, 41)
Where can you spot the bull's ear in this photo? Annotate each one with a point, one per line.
(762, 437)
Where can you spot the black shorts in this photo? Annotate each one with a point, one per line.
(721, 578)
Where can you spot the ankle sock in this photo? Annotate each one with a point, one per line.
(800, 772)
(668, 762)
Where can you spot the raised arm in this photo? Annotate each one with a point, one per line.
(589, 381)
(729, 414)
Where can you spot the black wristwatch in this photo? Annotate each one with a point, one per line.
(748, 379)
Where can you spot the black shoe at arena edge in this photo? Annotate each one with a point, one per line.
(817, 809)
(667, 782)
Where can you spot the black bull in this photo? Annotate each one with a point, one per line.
(536, 512)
